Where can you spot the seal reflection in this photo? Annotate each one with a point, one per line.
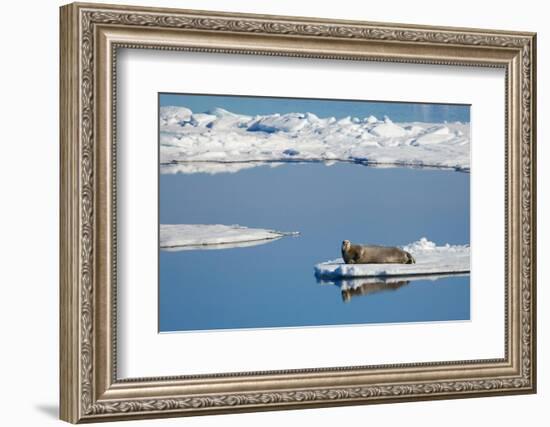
(363, 286)
(367, 288)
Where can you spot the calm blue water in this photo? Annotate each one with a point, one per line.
(273, 285)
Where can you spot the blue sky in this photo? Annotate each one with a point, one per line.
(397, 111)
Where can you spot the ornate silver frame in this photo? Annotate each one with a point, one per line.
(90, 36)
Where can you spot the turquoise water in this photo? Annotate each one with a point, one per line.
(273, 285)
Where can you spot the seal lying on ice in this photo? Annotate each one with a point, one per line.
(369, 254)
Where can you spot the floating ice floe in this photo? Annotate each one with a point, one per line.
(221, 141)
(430, 259)
(181, 237)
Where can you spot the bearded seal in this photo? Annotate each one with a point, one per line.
(370, 254)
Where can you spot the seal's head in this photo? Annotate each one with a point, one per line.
(346, 244)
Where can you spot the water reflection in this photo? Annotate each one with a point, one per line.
(216, 167)
(364, 286)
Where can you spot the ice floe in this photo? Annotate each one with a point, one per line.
(222, 141)
(180, 237)
(430, 259)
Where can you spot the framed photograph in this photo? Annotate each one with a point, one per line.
(268, 212)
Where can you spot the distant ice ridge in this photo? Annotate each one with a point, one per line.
(430, 259)
(221, 141)
(180, 237)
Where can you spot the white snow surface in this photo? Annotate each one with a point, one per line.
(430, 259)
(179, 237)
(221, 141)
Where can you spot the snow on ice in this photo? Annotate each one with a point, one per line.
(222, 141)
(179, 237)
(430, 259)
